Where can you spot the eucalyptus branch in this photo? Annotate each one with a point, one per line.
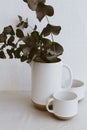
(35, 45)
(50, 33)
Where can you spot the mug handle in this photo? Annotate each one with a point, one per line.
(49, 102)
(70, 77)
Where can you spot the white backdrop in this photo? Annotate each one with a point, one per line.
(71, 15)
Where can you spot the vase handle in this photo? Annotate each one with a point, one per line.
(68, 82)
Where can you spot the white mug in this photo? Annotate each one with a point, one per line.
(65, 104)
(46, 80)
(78, 87)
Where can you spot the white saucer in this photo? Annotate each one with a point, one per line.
(78, 87)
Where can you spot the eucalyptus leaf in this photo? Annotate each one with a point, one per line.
(17, 53)
(23, 58)
(51, 29)
(32, 53)
(26, 39)
(56, 49)
(2, 55)
(38, 59)
(35, 36)
(11, 39)
(49, 10)
(22, 25)
(29, 41)
(44, 58)
(53, 59)
(55, 29)
(3, 38)
(46, 31)
(35, 27)
(26, 51)
(43, 10)
(20, 18)
(25, 1)
(46, 43)
(9, 52)
(32, 4)
(19, 33)
(8, 30)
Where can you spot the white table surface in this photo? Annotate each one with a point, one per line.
(18, 113)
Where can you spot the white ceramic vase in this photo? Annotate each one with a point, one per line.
(46, 80)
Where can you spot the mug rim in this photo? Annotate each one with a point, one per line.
(77, 83)
(70, 99)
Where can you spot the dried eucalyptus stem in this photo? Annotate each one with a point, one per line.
(50, 33)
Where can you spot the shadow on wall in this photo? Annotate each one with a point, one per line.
(14, 75)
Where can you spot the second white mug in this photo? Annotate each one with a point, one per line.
(65, 104)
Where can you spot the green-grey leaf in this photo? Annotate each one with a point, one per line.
(51, 29)
(55, 29)
(32, 4)
(23, 58)
(46, 43)
(56, 49)
(20, 18)
(35, 27)
(25, 1)
(35, 36)
(2, 55)
(3, 38)
(17, 53)
(19, 33)
(49, 10)
(8, 30)
(52, 59)
(43, 10)
(11, 39)
(26, 51)
(46, 31)
(9, 52)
